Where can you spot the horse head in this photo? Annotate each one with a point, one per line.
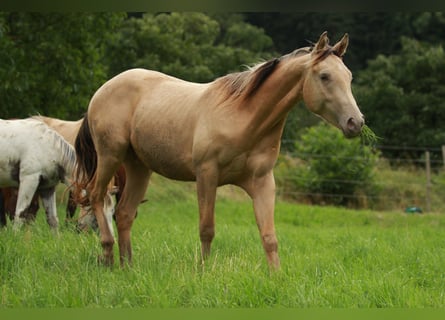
(327, 87)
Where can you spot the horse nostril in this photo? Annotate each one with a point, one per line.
(352, 124)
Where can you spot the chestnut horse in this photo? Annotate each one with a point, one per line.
(224, 132)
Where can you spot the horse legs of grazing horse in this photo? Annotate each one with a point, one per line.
(71, 206)
(48, 197)
(9, 202)
(28, 185)
(2, 210)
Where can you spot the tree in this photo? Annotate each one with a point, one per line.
(52, 62)
(192, 46)
(403, 95)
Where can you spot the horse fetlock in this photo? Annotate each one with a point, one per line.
(53, 222)
(18, 222)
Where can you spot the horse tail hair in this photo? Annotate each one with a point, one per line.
(86, 160)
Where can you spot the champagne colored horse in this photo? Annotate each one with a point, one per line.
(224, 132)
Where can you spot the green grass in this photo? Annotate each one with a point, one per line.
(331, 257)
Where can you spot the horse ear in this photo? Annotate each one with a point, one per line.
(340, 47)
(322, 42)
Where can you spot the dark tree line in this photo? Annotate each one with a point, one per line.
(52, 63)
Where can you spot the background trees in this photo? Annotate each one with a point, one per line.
(191, 46)
(403, 95)
(52, 63)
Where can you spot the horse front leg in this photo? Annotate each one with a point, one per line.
(71, 206)
(262, 191)
(206, 183)
(49, 204)
(27, 188)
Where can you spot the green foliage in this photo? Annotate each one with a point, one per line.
(406, 102)
(192, 46)
(335, 167)
(52, 62)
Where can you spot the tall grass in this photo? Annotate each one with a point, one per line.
(331, 257)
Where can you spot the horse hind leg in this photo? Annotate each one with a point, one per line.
(137, 177)
(106, 166)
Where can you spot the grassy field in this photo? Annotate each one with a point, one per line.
(331, 257)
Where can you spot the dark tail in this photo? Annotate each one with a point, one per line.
(86, 160)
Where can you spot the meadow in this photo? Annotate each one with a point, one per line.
(331, 258)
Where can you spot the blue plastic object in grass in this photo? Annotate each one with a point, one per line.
(413, 210)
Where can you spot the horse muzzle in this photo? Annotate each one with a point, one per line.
(353, 127)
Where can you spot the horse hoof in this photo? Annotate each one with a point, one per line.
(105, 261)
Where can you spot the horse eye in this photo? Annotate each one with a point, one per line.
(325, 77)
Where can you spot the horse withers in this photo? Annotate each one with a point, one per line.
(224, 132)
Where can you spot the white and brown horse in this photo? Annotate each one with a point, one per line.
(224, 132)
(34, 158)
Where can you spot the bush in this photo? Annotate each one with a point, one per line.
(332, 169)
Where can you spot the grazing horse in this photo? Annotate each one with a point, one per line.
(224, 132)
(34, 158)
(68, 130)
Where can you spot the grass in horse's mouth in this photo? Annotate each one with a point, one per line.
(368, 137)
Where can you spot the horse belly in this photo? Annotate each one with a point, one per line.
(170, 162)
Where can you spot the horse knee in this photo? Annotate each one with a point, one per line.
(207, 233)
(270, 243)
(124, 220)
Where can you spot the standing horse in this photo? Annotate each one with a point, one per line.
(34, 158)
(224, 132)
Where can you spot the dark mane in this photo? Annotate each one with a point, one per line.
(247, 83)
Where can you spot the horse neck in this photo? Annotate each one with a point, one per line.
(270, 106)
(67, 156)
